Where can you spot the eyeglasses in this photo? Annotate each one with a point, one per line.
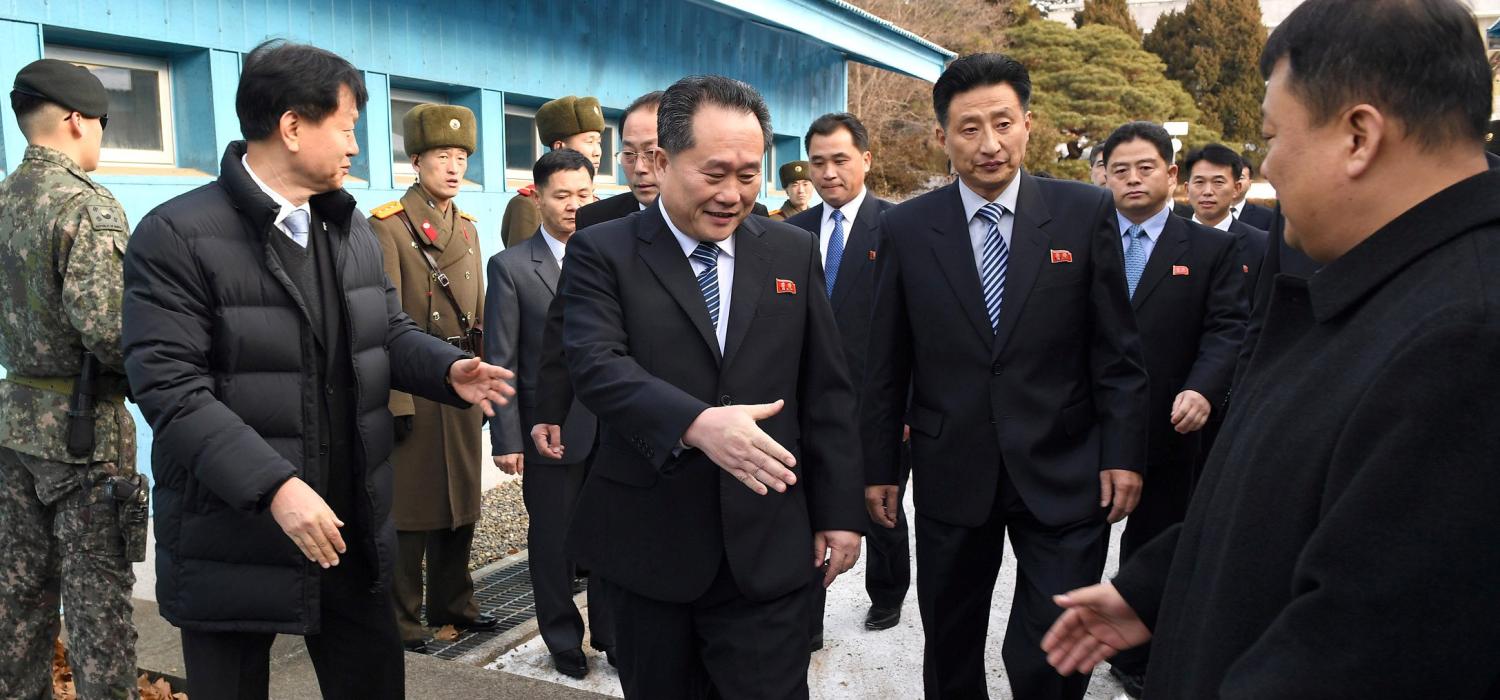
(630, 157)
(103, 119)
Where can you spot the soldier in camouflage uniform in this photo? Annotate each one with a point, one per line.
(62, 243)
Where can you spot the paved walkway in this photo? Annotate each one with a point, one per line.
(854, 663)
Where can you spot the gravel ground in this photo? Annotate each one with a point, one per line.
(502, 525)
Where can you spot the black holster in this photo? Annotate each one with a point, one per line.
(81, 407)
(132, 498)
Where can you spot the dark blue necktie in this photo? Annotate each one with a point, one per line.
(993, 262)
(835, 251)
(708, 280)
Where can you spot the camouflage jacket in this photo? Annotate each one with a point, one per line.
(62, 247)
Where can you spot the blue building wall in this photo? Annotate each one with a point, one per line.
(483, 55)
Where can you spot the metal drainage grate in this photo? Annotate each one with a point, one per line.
(506, 594)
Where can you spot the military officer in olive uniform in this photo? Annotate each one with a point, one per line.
(69, 495)
(566, 122)
(796, 179)
(439, 450)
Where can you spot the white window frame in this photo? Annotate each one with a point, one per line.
(402, 170)
(131, 156)
(538, 148)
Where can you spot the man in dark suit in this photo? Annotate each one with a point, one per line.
(1185, 286)
(1211, 174)
(522, 283)
(1253, 214)
(637, 148)
(846, 224)
(701, 338)
(1341, 543)
(1003, 335)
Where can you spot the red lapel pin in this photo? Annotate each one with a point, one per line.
(1062, 256)
(1179, 270)
(785, 286)
(872, 255)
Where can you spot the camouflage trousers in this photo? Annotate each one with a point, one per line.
(69, 552)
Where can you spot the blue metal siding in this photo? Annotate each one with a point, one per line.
(485, 53)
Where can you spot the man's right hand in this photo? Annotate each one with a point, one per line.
(306, 518)
(730, 437)
(548, 440)
(882, 502)
(1096, 624)
(511, 463)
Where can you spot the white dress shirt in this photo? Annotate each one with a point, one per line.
(979, 227)
(286, 205)
(726, 270)
(558, 248)
(851, 210)
(1223, 224)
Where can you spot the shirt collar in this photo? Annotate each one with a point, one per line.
(850, 208)
(558, 248)
(1223, 224)
(1153, 225)
(973, 202)
(282, 203)
(688, 243)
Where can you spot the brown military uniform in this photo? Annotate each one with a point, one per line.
(787, 211)
(522, 217)
(437, 466)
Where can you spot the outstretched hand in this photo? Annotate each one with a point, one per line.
(731, 438)
(480, 383)
(1095, 625)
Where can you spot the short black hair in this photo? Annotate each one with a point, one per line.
(1420, 61)
(680, 102)
(25, 107)
(651, 99)
(829, 123)
(280, 76)
(1216, 153)
(1149, 132)
(979, 70)
(560, 160)
(1096, 153)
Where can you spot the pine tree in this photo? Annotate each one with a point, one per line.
(1213, 48)
(1113, 13)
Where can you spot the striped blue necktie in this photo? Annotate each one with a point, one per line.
(708, 280)
(835, 251)
(1135, 258)
(993, 262)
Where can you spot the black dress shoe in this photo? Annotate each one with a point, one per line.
(816, 644)
(571, 663)
(608, 652)
(1134, 684)
(482, 622)
(882, 618)
(416, 646)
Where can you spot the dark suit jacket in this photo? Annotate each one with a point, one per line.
(622, 204)
(854, 290)
(1258, 216)
(642, 355)
(1250, 252)
(1191, 311)
(1347, 457)
(522, 284)
(1059, 394)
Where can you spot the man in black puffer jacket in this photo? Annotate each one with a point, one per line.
(262, 340)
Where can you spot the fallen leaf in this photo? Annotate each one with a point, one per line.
(448, 633)
(62, 674)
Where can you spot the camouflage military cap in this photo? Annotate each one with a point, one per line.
(794, 171)
(429, 126)
(567, 116)
(70, 86)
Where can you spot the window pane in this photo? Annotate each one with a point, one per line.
(134, 107)
(399, 108)
(607, 152)
(520, 142)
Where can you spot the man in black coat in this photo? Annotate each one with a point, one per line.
(522, 284)
(1001, 313)
(1185, 287)
(1256, 215)
(846, 226)
(1340, 544)
(729, 452)
(262, 340)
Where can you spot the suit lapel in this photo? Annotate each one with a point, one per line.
(664, 256)
(1169, 249)
(955, 256)
(752, 267)
(546, 265)
(1028, 248)
(858, 242)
